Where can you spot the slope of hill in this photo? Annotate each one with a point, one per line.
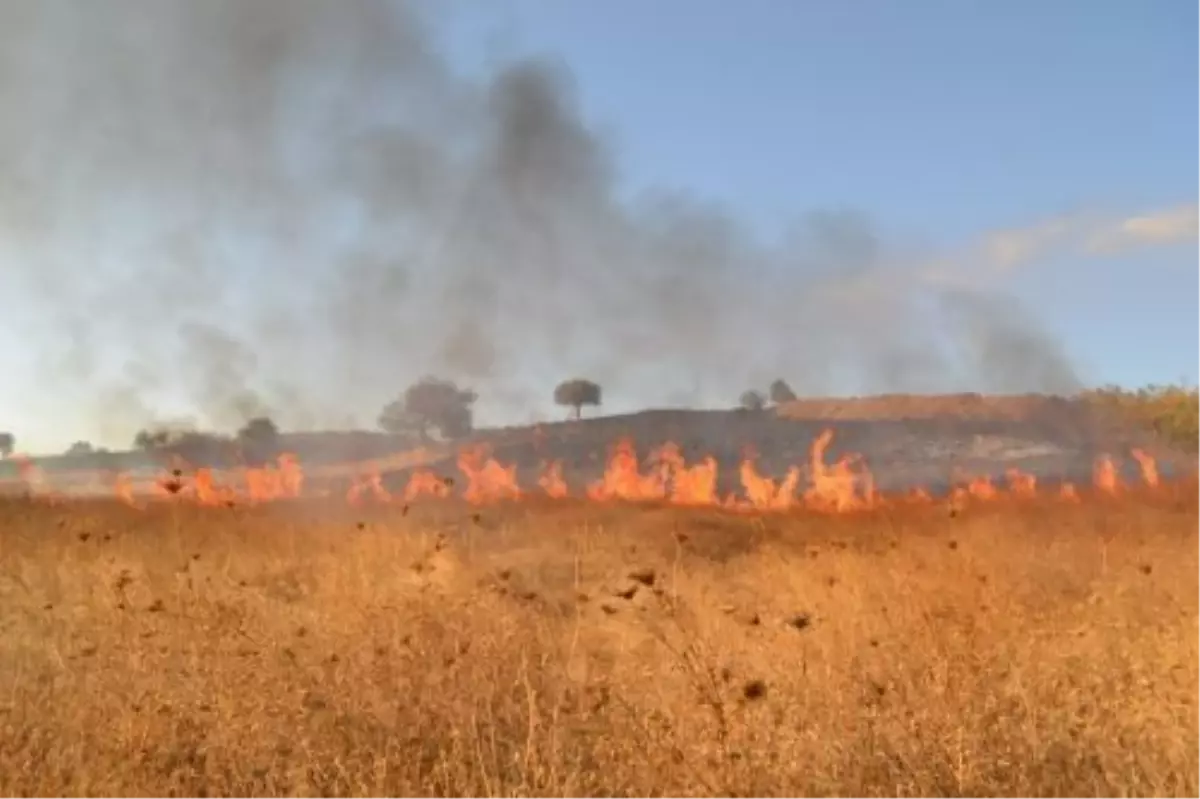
(905, 440)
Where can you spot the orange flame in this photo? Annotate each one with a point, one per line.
(843, 486)
(1021, 484)
(372, 484)
(551, 480)
(487, 479)
(425, 484)
(624, 480)
(1148, 467)
(1104, 475)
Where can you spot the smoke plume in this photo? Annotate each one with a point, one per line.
(222, 208)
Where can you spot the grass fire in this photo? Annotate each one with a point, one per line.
(432, 623)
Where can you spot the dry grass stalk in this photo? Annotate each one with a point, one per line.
(1029, 649)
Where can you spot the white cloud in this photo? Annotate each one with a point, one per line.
(1011, 248)
(1167, 226)
(999, 253)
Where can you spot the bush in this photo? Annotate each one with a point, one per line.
(1173, 412)
(431, 404)
(752, 400)
(780, 392)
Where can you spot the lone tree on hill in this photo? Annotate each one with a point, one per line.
(431, 404)
(80, 448)
(752, 400)
(259, 439)
(781, 392)
(576, 393)
(150, 440)
(7, 442)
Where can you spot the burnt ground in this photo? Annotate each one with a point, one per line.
(906, 440)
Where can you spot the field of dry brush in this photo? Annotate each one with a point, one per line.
(592, 648)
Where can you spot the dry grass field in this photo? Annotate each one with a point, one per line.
(585, 648)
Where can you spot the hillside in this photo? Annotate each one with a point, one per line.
(905, 439)
(929, 440)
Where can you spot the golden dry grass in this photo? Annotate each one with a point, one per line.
(576, 649)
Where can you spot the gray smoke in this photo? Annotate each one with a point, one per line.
(235, 206)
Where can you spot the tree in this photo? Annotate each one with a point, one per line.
(259, 440)
(150, 440)
(752, 400)
(260, 428)
(781, 392)
(576, 393)
(431, 404)
(80, 448)
(7, 443)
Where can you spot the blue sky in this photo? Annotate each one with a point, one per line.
(942, 120)
(1044, 149)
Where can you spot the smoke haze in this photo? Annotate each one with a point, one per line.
(219, 208)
